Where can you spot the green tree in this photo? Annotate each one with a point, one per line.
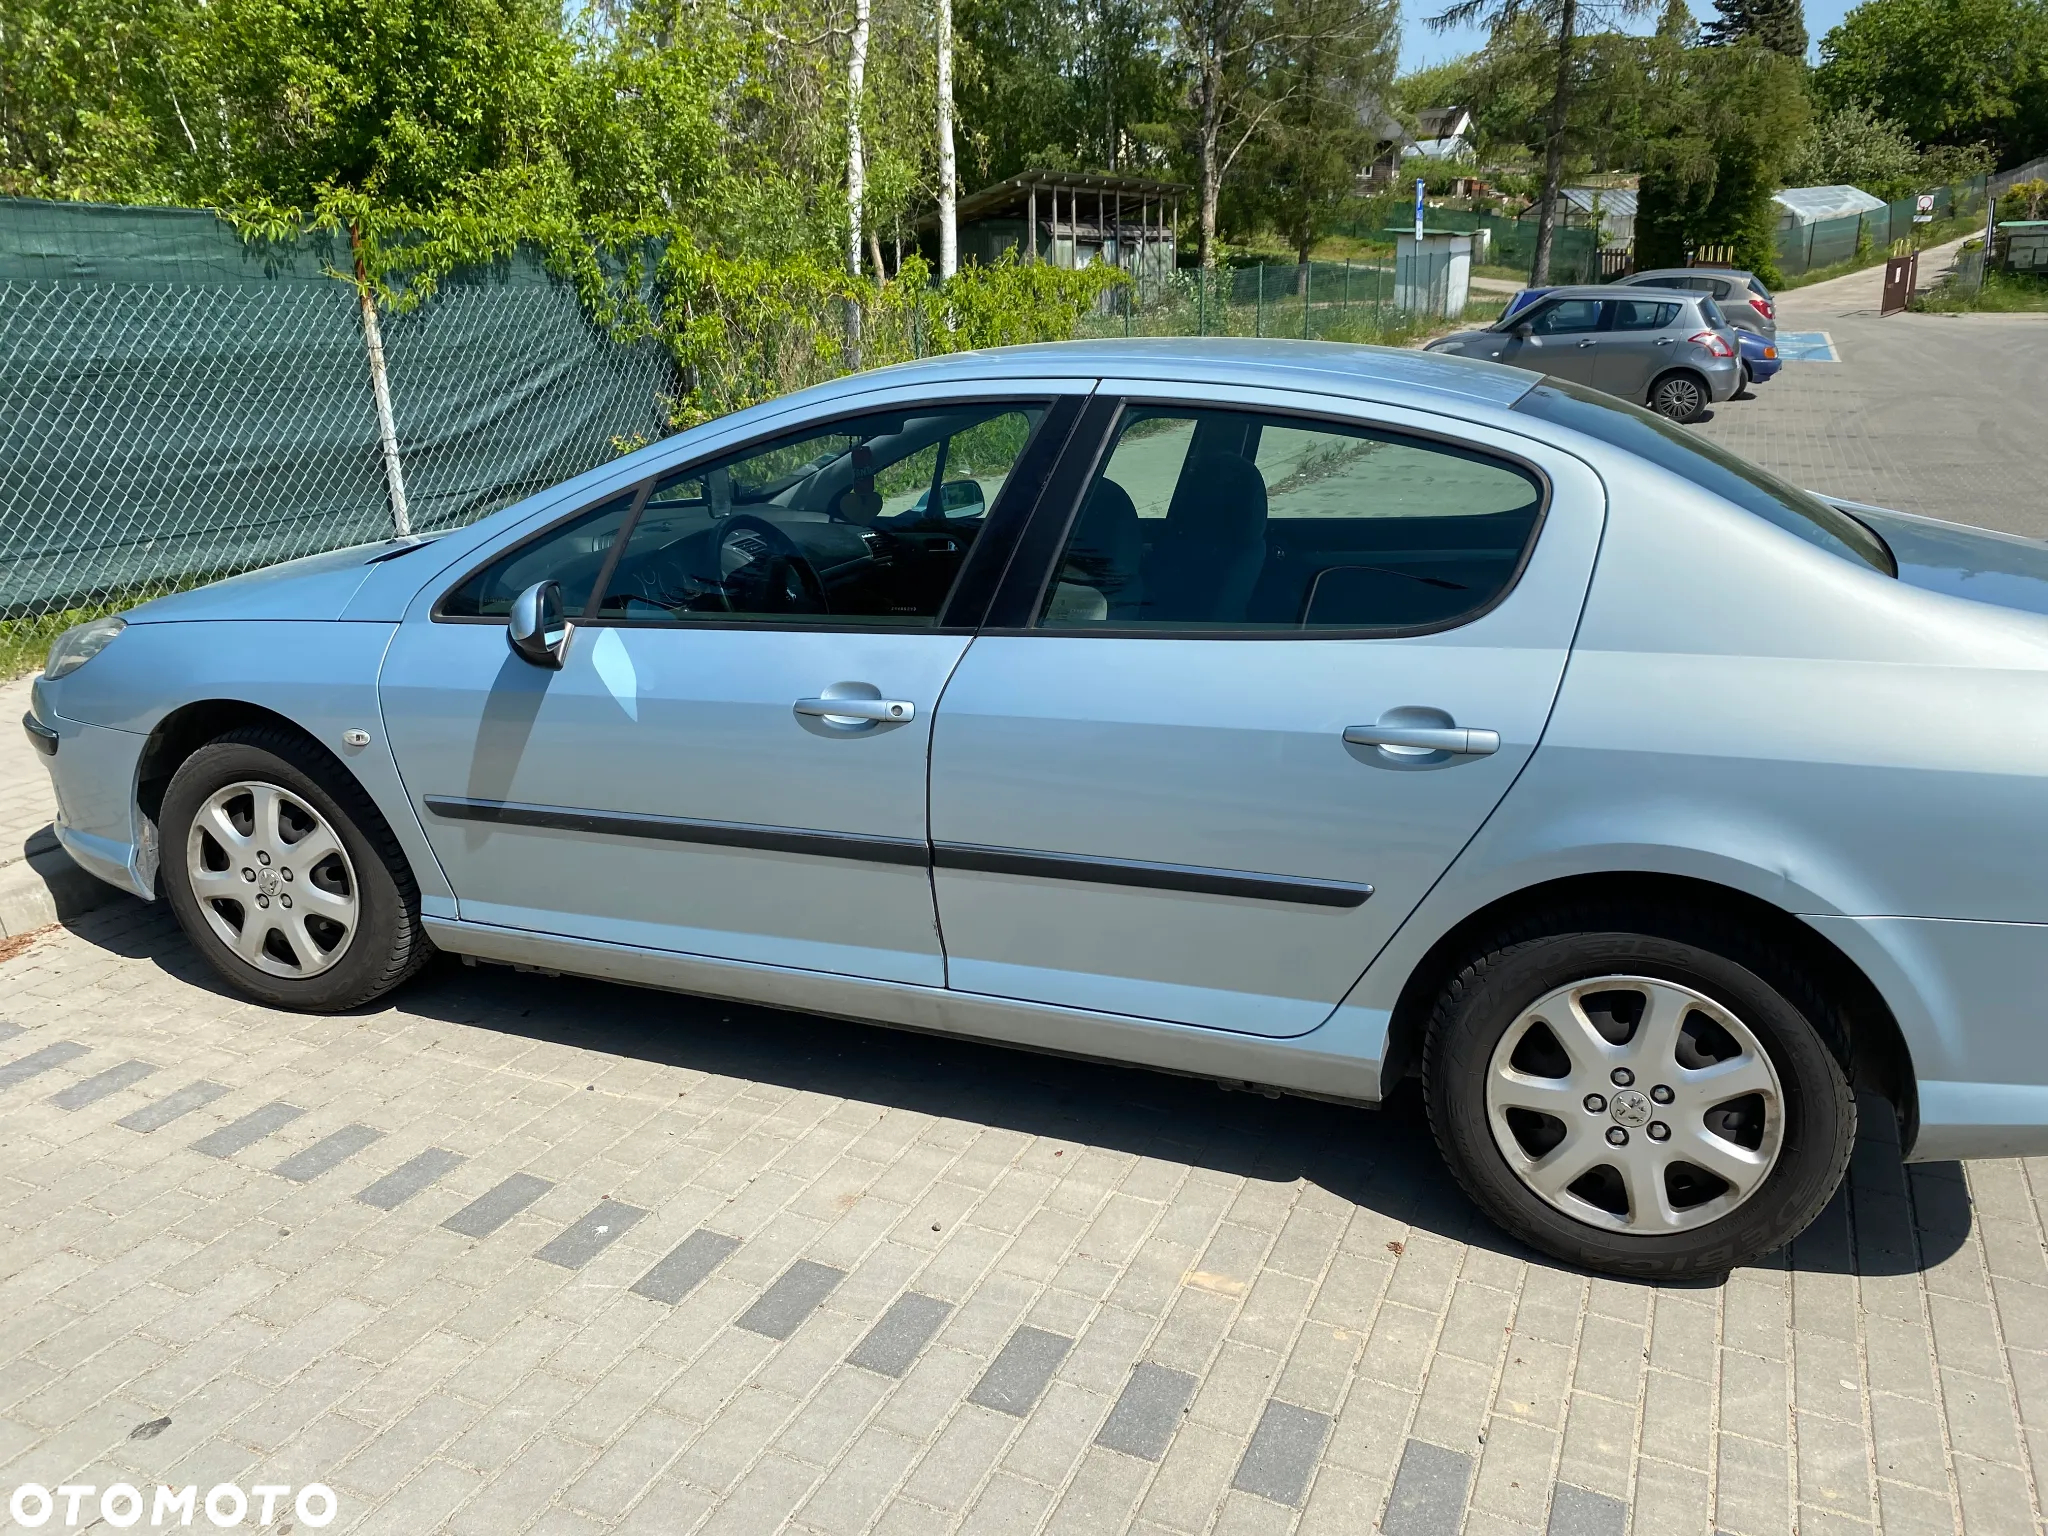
(1558, 29)
(1853, 146)
(1331, 65)
(1950, 72)
(1780, 25)
(1731, 119)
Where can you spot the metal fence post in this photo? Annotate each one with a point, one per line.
(1259, 311)
(1201, 301)
(380, 390)
(1308, 289)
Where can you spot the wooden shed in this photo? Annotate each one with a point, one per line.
(1074, 218)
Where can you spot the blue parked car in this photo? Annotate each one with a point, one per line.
(1306, 715)
(1760, 360)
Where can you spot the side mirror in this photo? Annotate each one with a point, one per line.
(538, 630)
(959, 495)
(1524, 331)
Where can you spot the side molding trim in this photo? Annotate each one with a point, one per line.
(1194, 879)
(1151, 877)
(678, 829)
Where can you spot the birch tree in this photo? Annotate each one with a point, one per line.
(949, 229)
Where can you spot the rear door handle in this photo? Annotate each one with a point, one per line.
(883, 710)
(1457, 740)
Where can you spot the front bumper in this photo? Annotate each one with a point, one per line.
(92, 768)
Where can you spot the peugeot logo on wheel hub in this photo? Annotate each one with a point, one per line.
(1630, 1107)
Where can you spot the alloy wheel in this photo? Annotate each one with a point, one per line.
(1635, 1104)
(1680, 399)
(272, 879)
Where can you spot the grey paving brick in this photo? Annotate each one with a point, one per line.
(1016, 1377)
(1429, 1492)
(37, 1062)
(893, 1343)
(685, 1266)
(601, 1226)
(304, 1166)
(1281, 1457)
(407, 1180)
(781, 1309)
(1147, 1412)
(1576, 1512)
(496, 1206)
(154, 1117)
(9, 1029)
(92, 1089)
(250, 1129)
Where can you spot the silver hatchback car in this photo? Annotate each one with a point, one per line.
(1742, 295)
(1278, 712)
(1668, 349)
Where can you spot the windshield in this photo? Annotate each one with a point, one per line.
(1707, 465)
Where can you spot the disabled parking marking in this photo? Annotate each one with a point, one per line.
(1807, 347)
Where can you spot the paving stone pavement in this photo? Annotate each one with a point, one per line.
(1935, 414)
(512, 1253)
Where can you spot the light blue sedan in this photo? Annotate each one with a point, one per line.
(1305, 716)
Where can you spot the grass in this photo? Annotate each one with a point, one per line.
(25, 642)
(2006, 293)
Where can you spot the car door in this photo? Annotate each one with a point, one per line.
(1217, 743)
(731, 759)
(1638, 345)
(1563, 339)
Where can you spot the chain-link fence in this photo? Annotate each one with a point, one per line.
(1358, 301)
(176, 405)
(1804, 248)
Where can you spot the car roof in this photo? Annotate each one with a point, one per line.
(1606, 291)
(1385, 374)
(1736, 273)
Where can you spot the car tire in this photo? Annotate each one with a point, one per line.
(1745, 1015)
(1681, 395)
(334, 932)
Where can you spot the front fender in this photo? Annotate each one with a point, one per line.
(320, 676)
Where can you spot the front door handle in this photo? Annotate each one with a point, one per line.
(886, 711)
(1457, 740)
(1586, 343)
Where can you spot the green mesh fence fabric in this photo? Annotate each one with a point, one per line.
(176, 404)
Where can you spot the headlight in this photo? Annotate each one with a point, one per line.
(78, 645)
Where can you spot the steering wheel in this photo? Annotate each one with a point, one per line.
(763, 571)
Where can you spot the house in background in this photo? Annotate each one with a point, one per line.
(1073, 218)
(1443, 133)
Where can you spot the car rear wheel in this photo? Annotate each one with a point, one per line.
(1652, 1098)
(1680, 396)
(285, 876)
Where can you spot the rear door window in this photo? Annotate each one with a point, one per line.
(1644, 314)
(1226, 520)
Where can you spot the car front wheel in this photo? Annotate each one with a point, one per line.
(284, 875)
(1646, 1098)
